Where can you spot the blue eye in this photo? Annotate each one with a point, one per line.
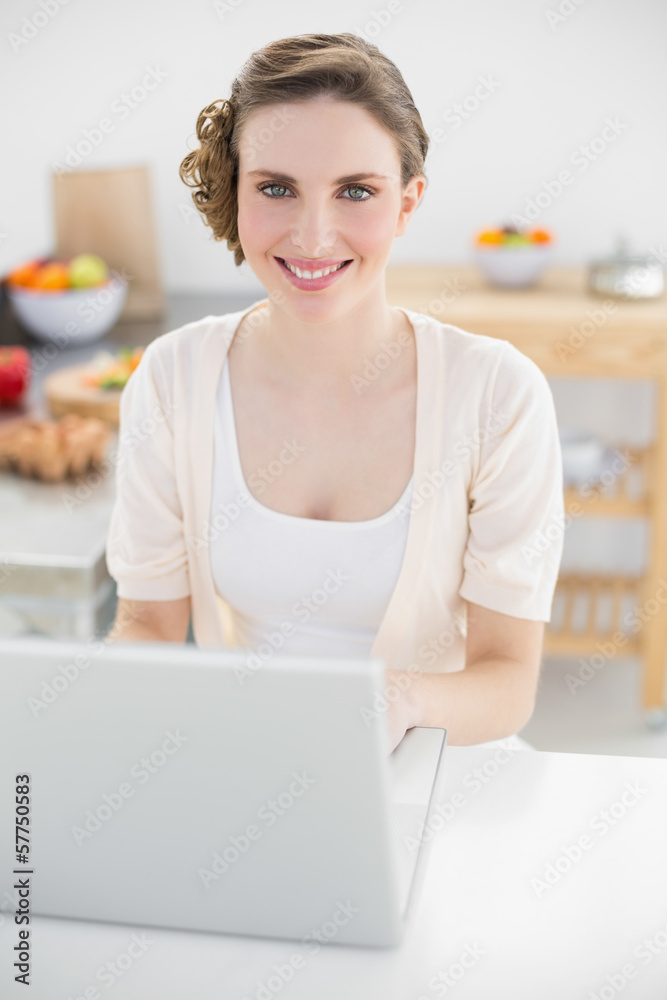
(358, 187)
(267, 186)
(351, 187)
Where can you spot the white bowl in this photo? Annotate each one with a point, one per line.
(583, 456)
(73, 316)
(513, 266)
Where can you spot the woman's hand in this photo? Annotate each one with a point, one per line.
(402, 704)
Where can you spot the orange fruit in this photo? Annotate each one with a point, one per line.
(51, 277)
(135, 359)
(540, 236)
(24, 275)
(490, 236)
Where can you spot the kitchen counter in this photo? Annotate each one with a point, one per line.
(53, 574)
(181, 309)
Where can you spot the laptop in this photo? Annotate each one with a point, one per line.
(167, 788)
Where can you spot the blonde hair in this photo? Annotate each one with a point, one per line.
(342, 66)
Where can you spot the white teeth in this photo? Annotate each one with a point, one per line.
(315, 274)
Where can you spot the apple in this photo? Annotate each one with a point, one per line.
(86, 270)
(15, 374)
(515, 240)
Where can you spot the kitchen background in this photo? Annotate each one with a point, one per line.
(511, 95)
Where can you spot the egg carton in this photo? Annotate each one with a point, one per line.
(53, 450)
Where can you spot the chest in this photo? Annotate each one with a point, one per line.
(323, 457)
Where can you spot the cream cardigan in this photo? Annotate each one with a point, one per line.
(486, 511)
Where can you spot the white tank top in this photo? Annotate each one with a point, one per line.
(296, 584)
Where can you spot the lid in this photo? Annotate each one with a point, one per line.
(623, 256)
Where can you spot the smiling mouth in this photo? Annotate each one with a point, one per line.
(314, 274)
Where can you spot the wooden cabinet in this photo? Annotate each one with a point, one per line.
(569, 331)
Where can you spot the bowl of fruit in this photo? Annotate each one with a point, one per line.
(69, 302)
(512, 258)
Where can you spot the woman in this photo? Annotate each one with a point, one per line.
(323, 472)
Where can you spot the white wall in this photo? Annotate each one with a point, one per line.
(555, 84)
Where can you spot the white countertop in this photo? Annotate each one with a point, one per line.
(494, 921)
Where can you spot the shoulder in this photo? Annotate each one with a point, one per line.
(187, 341)
(175, 363)
(477, 357)
(454, 343)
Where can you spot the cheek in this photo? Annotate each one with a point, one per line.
(257, 227)
(371, 232)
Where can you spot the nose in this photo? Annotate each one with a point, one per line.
(314, 230)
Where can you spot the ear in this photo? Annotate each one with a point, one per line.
(410, 198)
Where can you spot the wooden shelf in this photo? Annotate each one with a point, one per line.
(627, 495)
(567, 330)
(588, 610)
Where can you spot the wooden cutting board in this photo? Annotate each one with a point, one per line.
(110, 213)
(65, 392)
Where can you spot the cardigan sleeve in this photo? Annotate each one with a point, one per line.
(146, 550)
(516, 509)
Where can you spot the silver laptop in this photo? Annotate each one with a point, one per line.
(168, 788)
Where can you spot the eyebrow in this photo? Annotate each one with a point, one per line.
(286, 179)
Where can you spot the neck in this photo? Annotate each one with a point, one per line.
(329, 356)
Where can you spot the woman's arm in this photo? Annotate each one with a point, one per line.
(493, 697)
(159, 621)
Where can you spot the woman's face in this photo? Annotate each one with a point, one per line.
(319, 184)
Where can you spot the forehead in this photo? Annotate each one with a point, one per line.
(303, 136)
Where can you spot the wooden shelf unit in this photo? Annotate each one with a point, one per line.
(629, 495)
(588, 591)
(571, 332)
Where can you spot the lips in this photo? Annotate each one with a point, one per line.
(313, 284)
(310, 264)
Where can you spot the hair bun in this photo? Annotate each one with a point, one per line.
(216, 121)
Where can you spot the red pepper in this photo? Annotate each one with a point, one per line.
(15, 372)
